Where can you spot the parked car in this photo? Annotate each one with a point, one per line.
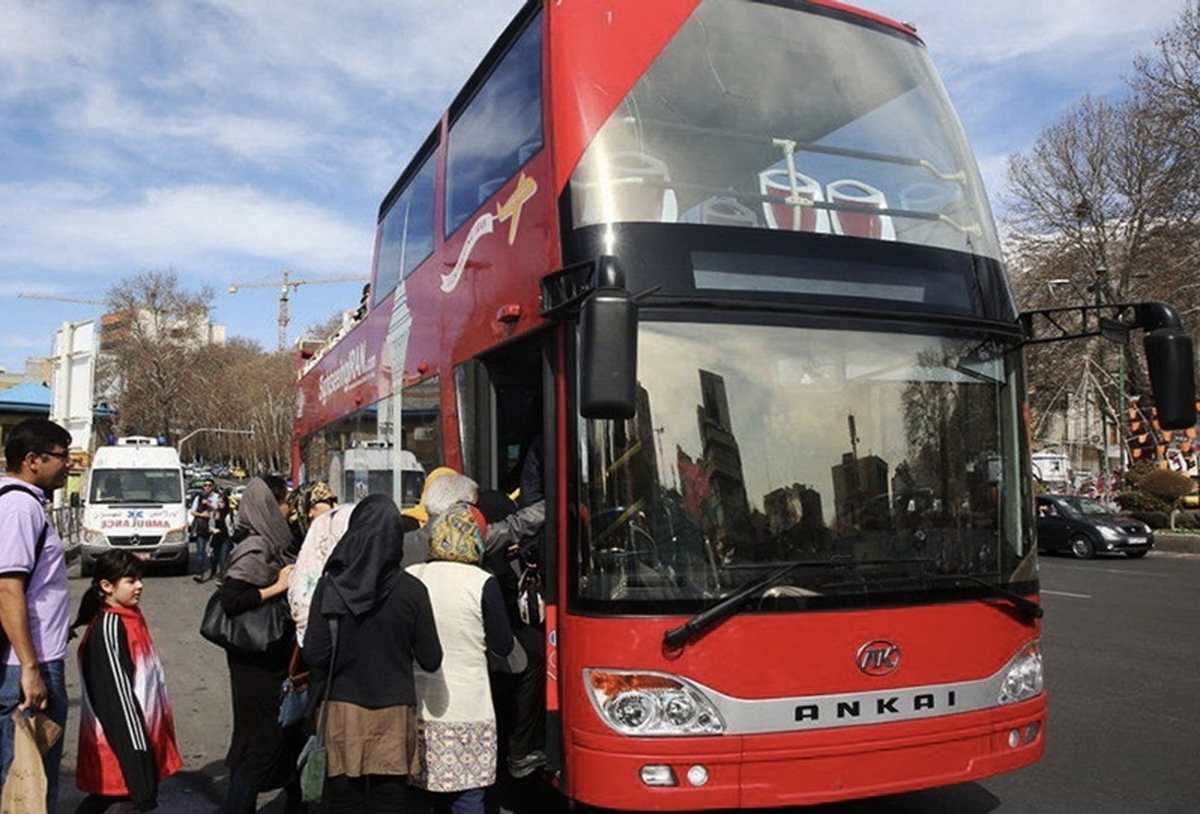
(1085, 527)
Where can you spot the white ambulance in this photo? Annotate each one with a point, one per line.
(135, 501)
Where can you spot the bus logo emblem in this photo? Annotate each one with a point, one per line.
(878, 658)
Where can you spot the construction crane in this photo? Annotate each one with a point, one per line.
(285, 282)
(29, 295)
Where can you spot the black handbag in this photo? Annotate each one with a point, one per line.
(263, 629)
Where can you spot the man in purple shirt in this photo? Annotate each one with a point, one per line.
(35, 608)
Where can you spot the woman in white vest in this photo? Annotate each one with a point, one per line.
(457, 729)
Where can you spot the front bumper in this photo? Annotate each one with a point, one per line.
(1128, 544)
(172, 553)
(770, 771)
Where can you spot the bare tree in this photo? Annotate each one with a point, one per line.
(153, 356)
(166, 378)
(1102, 187)
(326, 329)
(1104, 209)
(259, 394)
(249, 390)
(1169, 80)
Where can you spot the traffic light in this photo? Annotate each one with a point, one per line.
(1147, 441)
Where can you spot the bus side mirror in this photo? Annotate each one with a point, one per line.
(1172, 367)
(608, 354)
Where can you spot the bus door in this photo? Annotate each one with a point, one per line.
(507, 425)
(503, 412)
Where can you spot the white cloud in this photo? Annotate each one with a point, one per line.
(1068, 32)
(170, 226)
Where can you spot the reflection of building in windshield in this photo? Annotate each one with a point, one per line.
(860, 493)
(860, 489)
(644, 465)
(723, 457)
(795, 518)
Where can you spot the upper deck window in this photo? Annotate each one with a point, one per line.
(787, 118)
(407, 237)
(499, 130)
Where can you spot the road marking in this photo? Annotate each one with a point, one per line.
(1064, 593)
(1119, 571)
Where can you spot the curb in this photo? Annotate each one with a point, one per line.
(1177, 543)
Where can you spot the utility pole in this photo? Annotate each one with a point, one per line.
(1097, 287)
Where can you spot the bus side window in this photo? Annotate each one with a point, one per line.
(498, 131)
(406, 237)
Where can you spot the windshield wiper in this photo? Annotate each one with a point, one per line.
(1028, 609)
(676, 638)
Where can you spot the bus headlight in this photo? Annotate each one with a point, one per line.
(1024, 677)
(651, 704)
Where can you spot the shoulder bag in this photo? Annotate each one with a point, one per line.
(265, 628)
(314, 759)
(293, 695)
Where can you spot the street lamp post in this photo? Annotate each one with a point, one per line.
(212, 429)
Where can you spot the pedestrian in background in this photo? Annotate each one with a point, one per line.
(204, 506)
(222, 535)
(35, 606)
(126, 728)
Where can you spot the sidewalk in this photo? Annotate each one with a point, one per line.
(1177, 543)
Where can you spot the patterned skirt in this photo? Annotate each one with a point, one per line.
(457, 755)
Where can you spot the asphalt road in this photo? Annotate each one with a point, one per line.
(1122, 657)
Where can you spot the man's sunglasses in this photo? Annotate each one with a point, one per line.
(62, 456)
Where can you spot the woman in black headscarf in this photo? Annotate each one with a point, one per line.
(384, 622)
(262, 754)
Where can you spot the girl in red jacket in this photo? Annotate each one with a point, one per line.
(126, 731)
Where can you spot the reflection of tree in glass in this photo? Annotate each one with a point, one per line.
(929, 414)
(950, 426)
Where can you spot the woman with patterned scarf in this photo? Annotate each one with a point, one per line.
(457, 730)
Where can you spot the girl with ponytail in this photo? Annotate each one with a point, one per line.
(126, 731)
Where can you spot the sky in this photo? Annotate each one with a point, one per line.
(229, 140)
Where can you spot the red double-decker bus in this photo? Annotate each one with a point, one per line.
(733, 262)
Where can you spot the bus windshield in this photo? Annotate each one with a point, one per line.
(757, 446)
(776, 117)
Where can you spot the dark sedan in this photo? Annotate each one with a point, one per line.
(1085, 527)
